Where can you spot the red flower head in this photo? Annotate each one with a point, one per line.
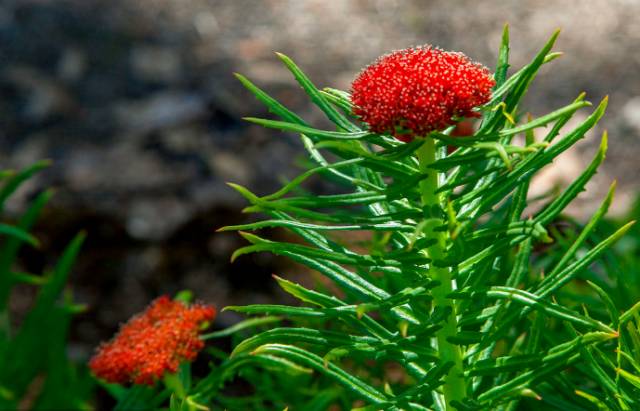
(412, 92)
(152, 343)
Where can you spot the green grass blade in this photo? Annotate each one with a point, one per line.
(19, 234)
(16, 180)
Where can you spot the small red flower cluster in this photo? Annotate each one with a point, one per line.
(152, 343)
(411, 92)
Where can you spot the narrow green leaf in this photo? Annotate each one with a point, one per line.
(336, 342)
(608, 303)
(628, 315)
(18, 233)
(304, 176)
(516, 77)
(544, 120)
(308, 296)
(577, 186)
(11, 246)
(309, 131)
(584, 234)
(242, 325)
(594, 400)
(315, 95)
(392, 226)
(531, 71)
(307, 359)
(518, 88)
(357, 321)
(28, 278)
(503, 59)
(632, 378)
(337, 98)
(557, 359)
(554, 310)
(553, 283)
(496, 366)
(272, 104)
(525, 170)
(16, 180)
(273, 309)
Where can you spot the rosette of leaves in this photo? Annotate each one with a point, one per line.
(456, 296)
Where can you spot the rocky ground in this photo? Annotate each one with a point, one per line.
(136, 104)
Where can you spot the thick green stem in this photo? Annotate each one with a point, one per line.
(454, 385)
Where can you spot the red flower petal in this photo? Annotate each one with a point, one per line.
(411, 92)
(152, 343)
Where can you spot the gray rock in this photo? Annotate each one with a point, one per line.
(631, 113)
(160, 110)
(156, 64)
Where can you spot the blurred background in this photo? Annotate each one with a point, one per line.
(136, 104)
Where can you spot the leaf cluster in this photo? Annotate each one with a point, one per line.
(537, 326)
(35, 372)
(538, 313)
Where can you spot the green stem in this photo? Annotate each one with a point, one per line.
(454, 384)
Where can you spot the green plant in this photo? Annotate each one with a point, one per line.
(35, 372)
(436, 288)
(506, 332)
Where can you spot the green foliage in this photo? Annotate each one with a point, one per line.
(462, 297)
(439, 287)
(35, 372)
